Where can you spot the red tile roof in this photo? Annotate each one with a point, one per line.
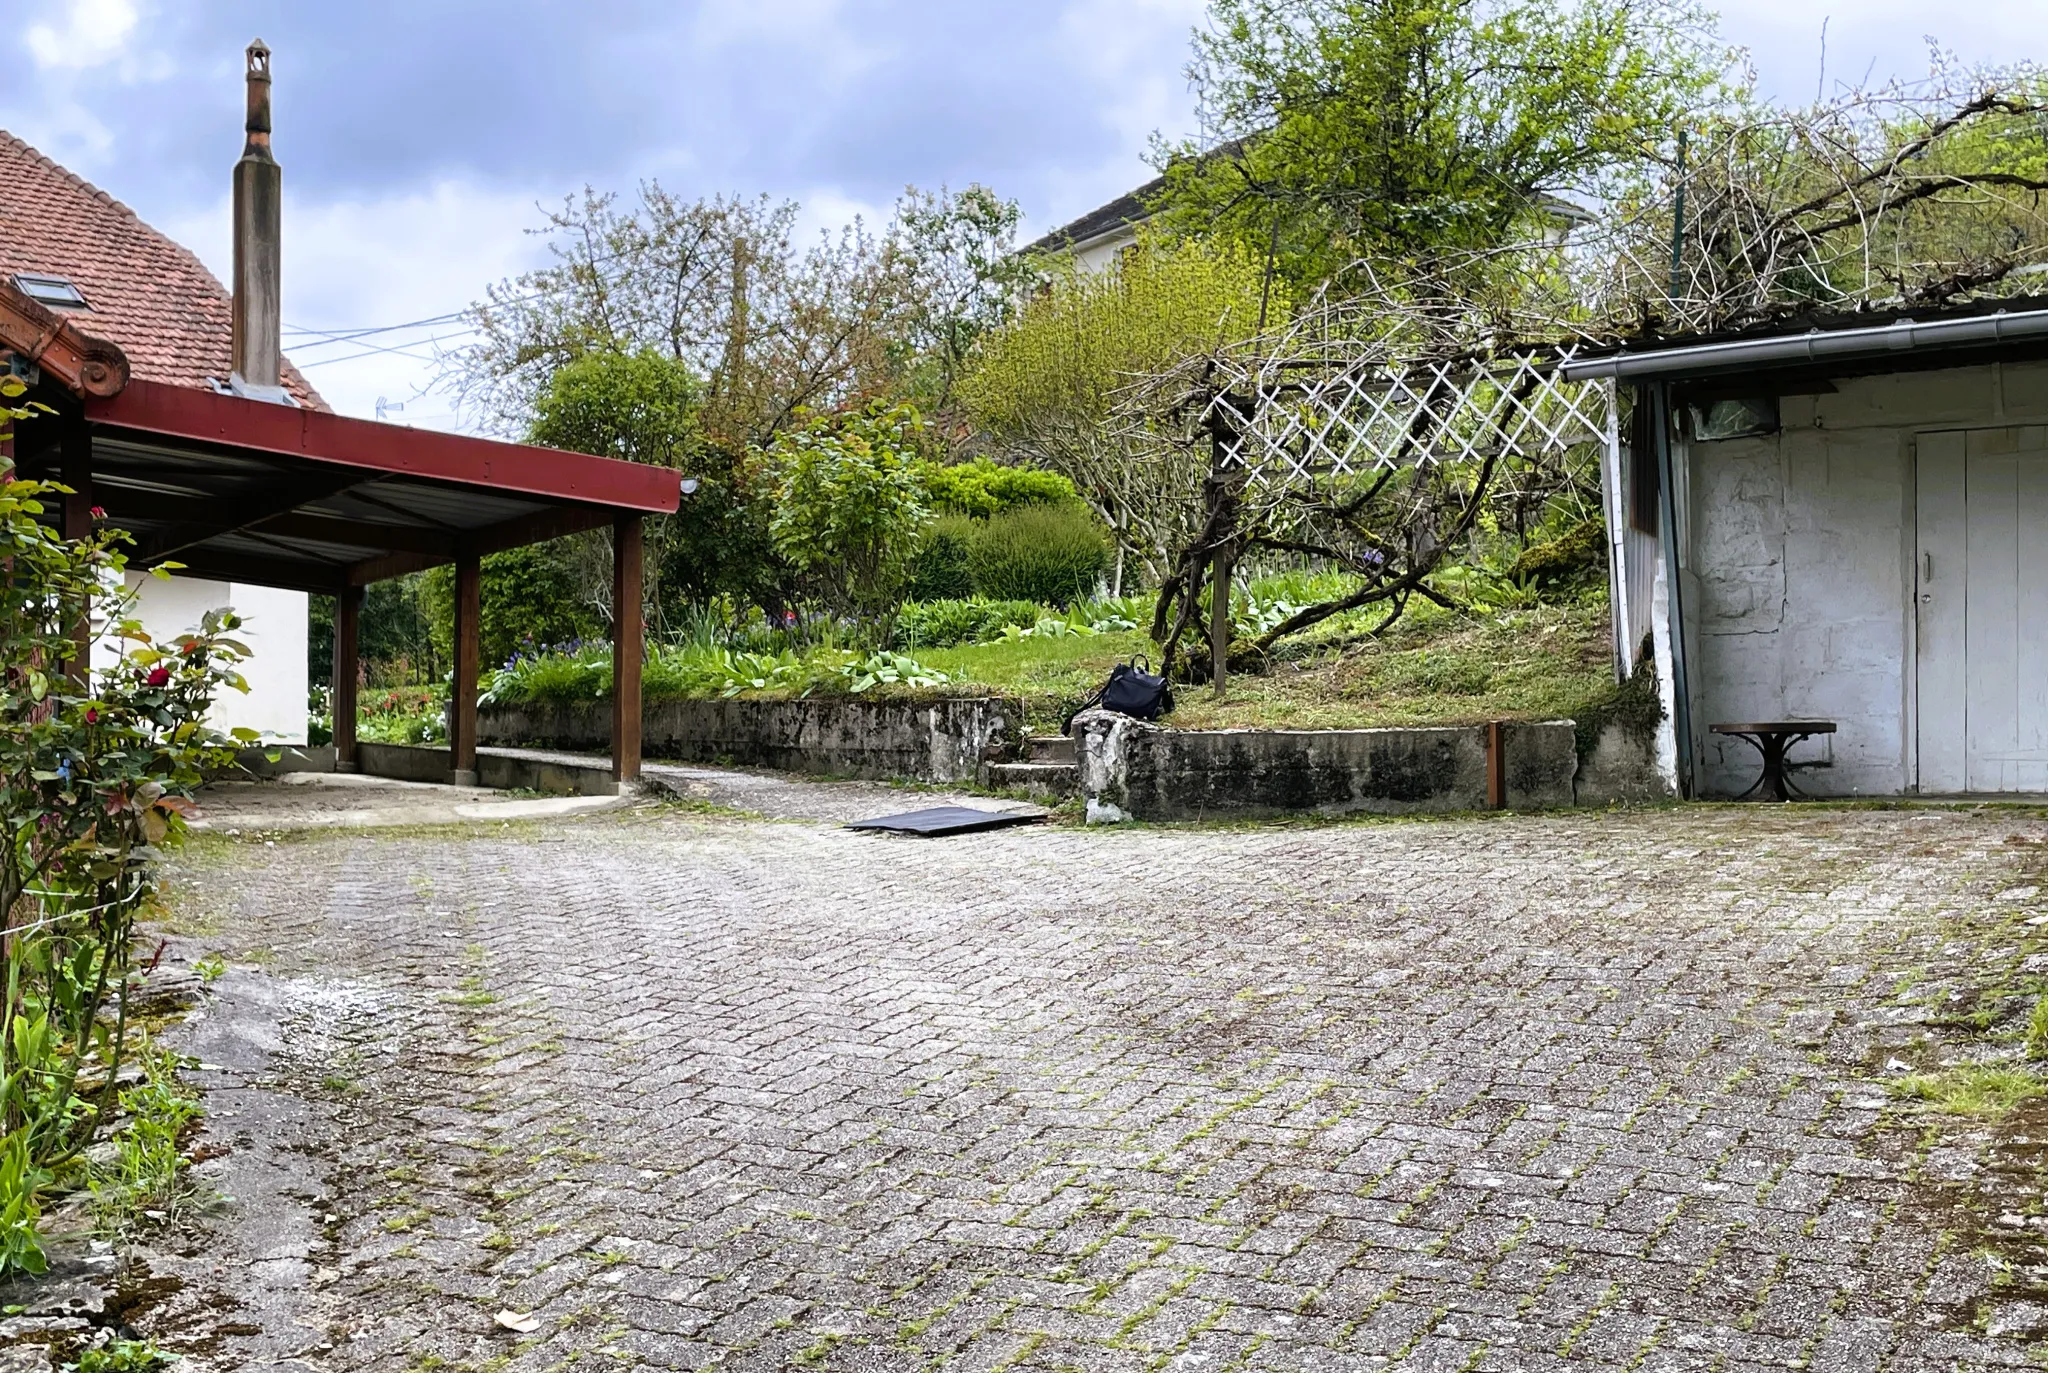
(149, 296)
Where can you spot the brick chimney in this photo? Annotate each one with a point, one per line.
(258, 331)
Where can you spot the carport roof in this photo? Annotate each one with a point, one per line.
(273, 495)
(251, 491)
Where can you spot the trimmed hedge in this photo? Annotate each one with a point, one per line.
(1051, 554)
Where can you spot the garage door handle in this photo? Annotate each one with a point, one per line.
(1928, 574)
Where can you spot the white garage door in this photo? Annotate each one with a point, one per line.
(1982, 591)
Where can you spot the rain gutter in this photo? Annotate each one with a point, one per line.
(1816, 345)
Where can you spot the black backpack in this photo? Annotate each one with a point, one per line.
(1131, 690)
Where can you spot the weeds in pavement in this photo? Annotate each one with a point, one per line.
(143, 1174)
(1984, 1090)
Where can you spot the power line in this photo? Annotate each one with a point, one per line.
(371, 349)
(343, 335)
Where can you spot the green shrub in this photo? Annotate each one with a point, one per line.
(1573, 557)
(982, 488)
(531, 597)
(698, 671)
(942, 624)
(938, 570)
(1052, 554)
(849, 506)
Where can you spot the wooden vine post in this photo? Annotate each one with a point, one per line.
(1219, 571)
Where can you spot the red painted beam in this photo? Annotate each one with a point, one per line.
(261, 426)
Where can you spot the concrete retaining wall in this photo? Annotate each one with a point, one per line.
(1621, 768)
(927, 741)
(1132, 770)
(504, 771)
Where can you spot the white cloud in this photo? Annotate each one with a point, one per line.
(369, 264)
(95, 32)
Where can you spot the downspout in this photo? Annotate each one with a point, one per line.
(1667, 532)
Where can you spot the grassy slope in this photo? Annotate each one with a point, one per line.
(1436, 668)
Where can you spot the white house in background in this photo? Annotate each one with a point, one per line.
(274, 628)
(85, 256)
(1098, 238)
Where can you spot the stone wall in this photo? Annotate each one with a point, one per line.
(927, 741)
(1133, 770)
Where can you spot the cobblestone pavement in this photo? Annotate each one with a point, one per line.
(1529, 1093)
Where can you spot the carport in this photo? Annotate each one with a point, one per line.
(271, 494)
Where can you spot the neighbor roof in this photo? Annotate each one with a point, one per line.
(144, 292)
(1133, 208)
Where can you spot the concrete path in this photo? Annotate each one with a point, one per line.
(692, 1090)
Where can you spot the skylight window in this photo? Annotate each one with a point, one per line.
(53, 291)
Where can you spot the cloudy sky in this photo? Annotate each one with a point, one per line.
(418, 136)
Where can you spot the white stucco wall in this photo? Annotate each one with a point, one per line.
(275, 630)
(1798, 565)
(1103, 253)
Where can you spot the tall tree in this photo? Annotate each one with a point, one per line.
(1405, 130)
(770, 327)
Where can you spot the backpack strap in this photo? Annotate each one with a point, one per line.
(1067, 725)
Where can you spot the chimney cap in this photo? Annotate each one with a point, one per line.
(259, 61)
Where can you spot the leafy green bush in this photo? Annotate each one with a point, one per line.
(530, 597)
(941, 624)
(938, 570)
(982, 488)
(849, 506)
(698, 671)
(94, 778)
(1052, 554)
(404, 715)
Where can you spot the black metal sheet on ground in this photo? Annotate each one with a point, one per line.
(948, 820)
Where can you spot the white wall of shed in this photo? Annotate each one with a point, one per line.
(1798, 551)
(275, 628)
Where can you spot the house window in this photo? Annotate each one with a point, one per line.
(1741, 418)
(49, 290)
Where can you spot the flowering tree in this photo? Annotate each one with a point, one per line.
(92, 780)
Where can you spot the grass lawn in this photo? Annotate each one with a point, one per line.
(1436, 667)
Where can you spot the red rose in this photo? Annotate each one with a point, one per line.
(99, 512)
(158, 675)
(92, 715)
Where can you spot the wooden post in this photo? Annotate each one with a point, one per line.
(1496, 766)
(1219, 620)
(76, 473)
(462, 704)
(348, 619)
(629, 644)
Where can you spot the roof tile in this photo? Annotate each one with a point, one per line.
(148, 295)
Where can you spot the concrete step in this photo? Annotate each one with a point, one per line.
(1038, 779)
(1050, 748)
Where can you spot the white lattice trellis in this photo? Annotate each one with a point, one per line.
(1310, 421)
